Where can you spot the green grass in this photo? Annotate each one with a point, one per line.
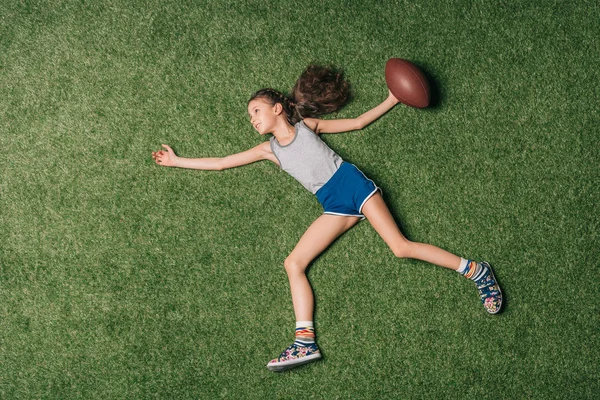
(121, 279)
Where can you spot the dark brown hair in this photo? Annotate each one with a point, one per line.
(319, 90)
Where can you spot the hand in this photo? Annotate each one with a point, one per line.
(392, 97)
(165, 158)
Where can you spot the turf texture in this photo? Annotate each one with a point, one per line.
(123, 279)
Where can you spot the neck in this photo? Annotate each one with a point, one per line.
(284, 132)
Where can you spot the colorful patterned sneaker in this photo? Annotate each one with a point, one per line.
(294, 356)
(489, 291)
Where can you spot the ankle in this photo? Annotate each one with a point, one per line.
(305, 332)
(472, 270)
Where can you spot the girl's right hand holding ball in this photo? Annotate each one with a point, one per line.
(165, 158)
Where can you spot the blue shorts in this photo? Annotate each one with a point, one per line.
(346, 192)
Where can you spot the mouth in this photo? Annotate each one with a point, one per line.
(256, 126)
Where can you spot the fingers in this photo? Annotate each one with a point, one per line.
(158, 155)
(162, 156)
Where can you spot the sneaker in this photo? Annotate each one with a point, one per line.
(489, 291)
(294, 356)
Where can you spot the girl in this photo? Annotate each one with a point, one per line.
(346, 194)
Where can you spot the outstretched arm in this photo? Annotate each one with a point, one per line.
(346, 125)
(169, 159)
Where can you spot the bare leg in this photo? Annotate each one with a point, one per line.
(380, 217)
(315, 240)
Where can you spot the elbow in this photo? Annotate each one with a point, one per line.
(359, 124)
(219, 165)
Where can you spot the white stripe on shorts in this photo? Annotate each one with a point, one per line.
(344, 215)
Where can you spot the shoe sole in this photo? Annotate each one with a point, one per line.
(285, 365)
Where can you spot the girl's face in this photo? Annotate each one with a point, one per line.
(264, 116)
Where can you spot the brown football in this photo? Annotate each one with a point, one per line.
(407, 83)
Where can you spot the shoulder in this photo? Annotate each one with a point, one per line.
(266, 151)
(312, 124)
(265, 147)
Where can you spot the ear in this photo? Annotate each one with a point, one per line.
(277, 108)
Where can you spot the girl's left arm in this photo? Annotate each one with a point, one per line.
(346, 125)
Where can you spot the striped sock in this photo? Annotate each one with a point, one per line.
(472, 270)
(305, 333)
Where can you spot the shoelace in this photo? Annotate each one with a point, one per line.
(487, 286)
(293, 350)
(487, 292)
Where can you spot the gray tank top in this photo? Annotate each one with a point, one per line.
(307, 158)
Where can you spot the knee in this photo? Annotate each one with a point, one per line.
(403, 249)
(293, 266)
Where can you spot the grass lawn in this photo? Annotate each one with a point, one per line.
(123, 279)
